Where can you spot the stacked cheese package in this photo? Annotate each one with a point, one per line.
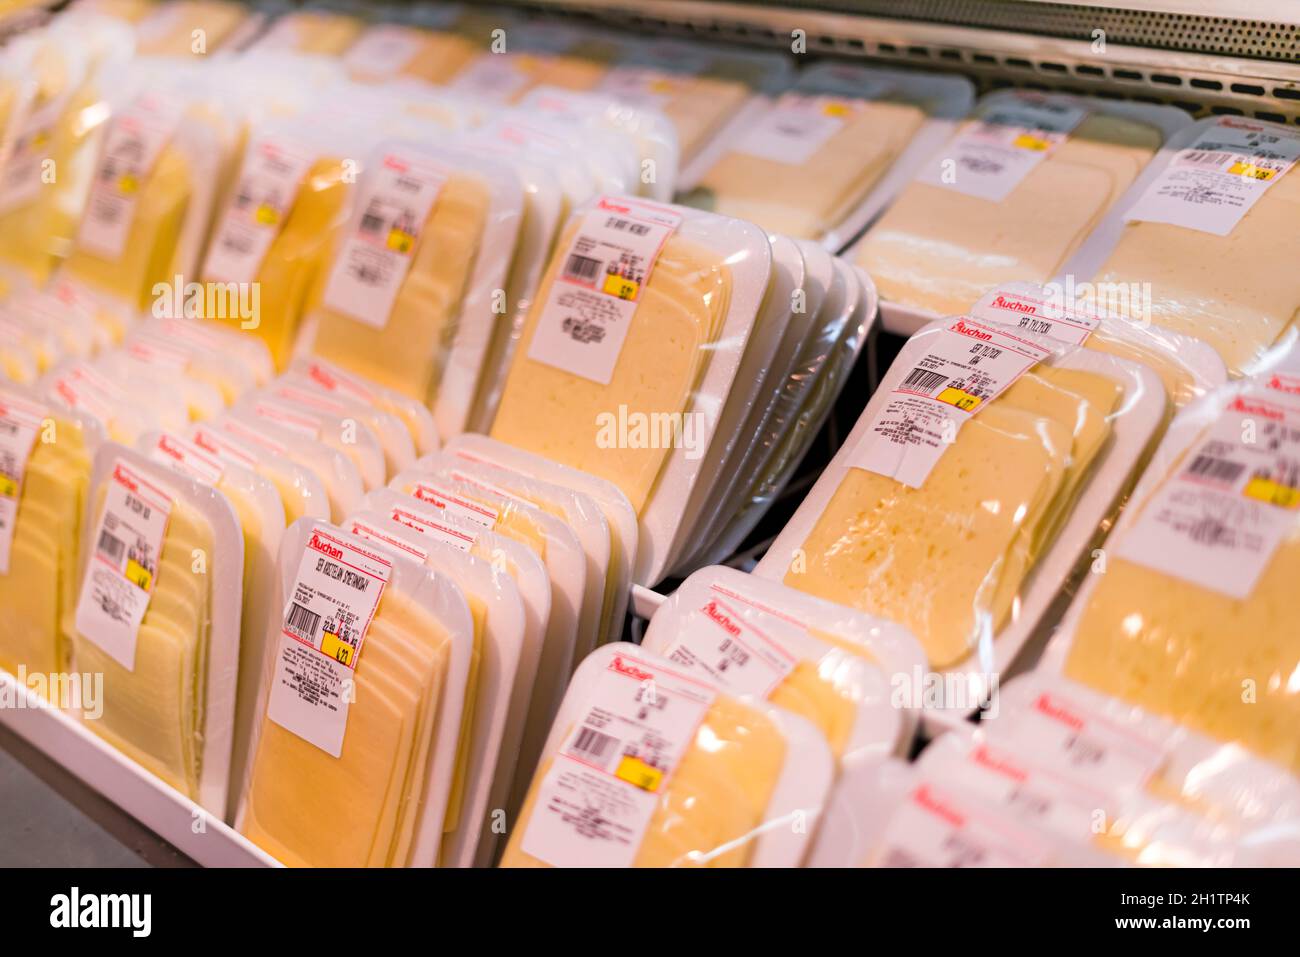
(971, 487)
(1011, 197)
(808, 164)
(1189, 234)
(1060, 776)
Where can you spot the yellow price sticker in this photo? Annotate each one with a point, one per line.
(637, 772)
(1272, 492)
(620, 287)
(8, 487)
(837, 109)
(400, 241)
(1028, 141)
(138, 575)
(266, 215)
(127, 184)
(1251, 171)
(959, 398)
(334, 647)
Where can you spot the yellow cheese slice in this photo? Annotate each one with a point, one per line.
(1225, 290)
(807, 200)
(717, 794)
(439, 58)
(408, 354)
(938, 249)
(931, 558)
(555, 414)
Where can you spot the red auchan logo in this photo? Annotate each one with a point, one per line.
(1046, 706)
(1287, 384)
(630, 670)
(167, 447)
(1015, 305)
(1239, 125)
(985, 758)
(934, 805)
(396, 164)
(965, 330)
(612, 207)
(318, 374)
(327, 548)
(125, 478)
(1262, 409)
(715, 614)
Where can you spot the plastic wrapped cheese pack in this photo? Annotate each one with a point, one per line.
(1188, 367)
(702, 89)
(414, 274)
(48, 455)
(158, 614)
(316, 31)
(798, 404)
(827, 663)
(808, 166)
(958, 521)
(180, 28)
(1011, 197)
(423, 50)
(1190, 230)
(577, 391)
(499, 680)
(1192, 620)
(122, 409)
(535, 689)
(684, 774)
(275, 230)
(516, 56)
(363, 691)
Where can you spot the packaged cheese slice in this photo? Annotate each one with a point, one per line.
(576, 391)
(387, 51)
(1188, 367)
(1189, 231)
(822, 661)
(321, 32)
(211, 338)
(353, 439)
(575, 509)
(523, 54)
(47, 469)
(224, 373)
(123, 407)
(1011, 197)
(260, 512)
(804, 399)
(684, 774)
(158, 614)
(159, 161)
(809, 160)
(180, 28)
(328, 378)
(274, 232)
(300, 490)
(363, 688)
(495, 684)
(529, 574)
(1017, 490)
(1197, 573)
(701, 89)
(335, 472)
(387, 430)
(408, 299)
(131, 371)
(617, 510)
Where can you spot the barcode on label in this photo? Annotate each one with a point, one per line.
(582, 268)
(593, 745)
(1216, 469)
(237, 243)
(1206, 157)
(111, 547)
(302, 622)
(924, 381)
(372, 223)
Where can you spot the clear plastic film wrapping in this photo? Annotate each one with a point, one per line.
(438, 282)
(1191, 620)
(45, 536)
(1060, 776)
(1208, 280)
(949, 235)
(391, 779)
(172, 708)
(969, 552)
(808, 160)
(649, 434)
(721, 785)
(824, 662)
